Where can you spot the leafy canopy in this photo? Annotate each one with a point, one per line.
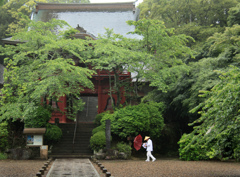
(179, 12)
(218, 134)
(41, 66)
(117, 54)
(167, 49)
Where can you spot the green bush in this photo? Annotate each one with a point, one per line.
(53, 133)
(188, 151)
(3, 156)
(98, 141)
(145, 118)
(98, 129)
(99, 117)
(3, 136)
(123, 147)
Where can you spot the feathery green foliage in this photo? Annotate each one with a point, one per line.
(234, 16)
(218, 132)
(167, 49)
(116, 54)
(3, 137)
(179, 12)
(41, 67)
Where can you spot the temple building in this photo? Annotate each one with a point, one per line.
(91, 20)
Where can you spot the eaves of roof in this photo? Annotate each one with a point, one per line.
(94, 18)
(87, 7)
(10, 41)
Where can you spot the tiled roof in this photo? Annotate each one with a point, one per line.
(94, 18)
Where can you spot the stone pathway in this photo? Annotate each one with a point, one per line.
(72, 168)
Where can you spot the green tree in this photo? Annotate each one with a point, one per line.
(116, 54)
(234, 16)
(15, 14)
(18, 11)
(41, 67)
(199, 19)
(167, 50)
(2, 2)
(219, 51)
(216, 131)
(3, 136)
(179, 12)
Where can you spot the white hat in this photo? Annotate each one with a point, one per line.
(146, 138)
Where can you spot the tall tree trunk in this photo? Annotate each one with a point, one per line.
(110, 90)
(117, 86)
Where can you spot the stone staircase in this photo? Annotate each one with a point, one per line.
(81, 147)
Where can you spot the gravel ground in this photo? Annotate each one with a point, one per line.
(169, 168)
(162, 167)
(20, 168)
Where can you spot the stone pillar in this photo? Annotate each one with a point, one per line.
(44, 152)
(108, 134)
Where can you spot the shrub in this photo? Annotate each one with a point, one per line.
(99, 117)
(236, 154)
(3, 136)
(145, 118)
(98, 129)
(123, 147)
(53, 133)
(188, 151)
(98, 141)
(3, 156)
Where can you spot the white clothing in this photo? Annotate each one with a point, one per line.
(144, 145)
(149, 149)
(149, 155)
(149, 145)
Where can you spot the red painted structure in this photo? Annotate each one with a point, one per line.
(101, 90)
(117, 12)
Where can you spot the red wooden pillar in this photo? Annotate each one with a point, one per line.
(64, 117)
(99, 96)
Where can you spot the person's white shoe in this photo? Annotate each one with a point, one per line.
(154, 160)
(147, 160)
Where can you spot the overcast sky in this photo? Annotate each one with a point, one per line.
(107, 1)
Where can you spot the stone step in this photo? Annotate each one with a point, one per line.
(69, 145)
(70, 151)
(80, 124)
(81, 143)
(78, 134)
(71, 155)
(73, 149)
(73, 152)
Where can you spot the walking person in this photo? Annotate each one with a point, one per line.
(149, 148)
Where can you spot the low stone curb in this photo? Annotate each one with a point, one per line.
(40, 173)
(104, 170)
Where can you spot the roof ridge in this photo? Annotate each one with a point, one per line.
(85, 7)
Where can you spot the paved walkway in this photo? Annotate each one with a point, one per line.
(72, 168)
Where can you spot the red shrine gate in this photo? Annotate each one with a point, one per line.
(96, 101)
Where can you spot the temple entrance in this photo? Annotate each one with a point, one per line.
(88, 114)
